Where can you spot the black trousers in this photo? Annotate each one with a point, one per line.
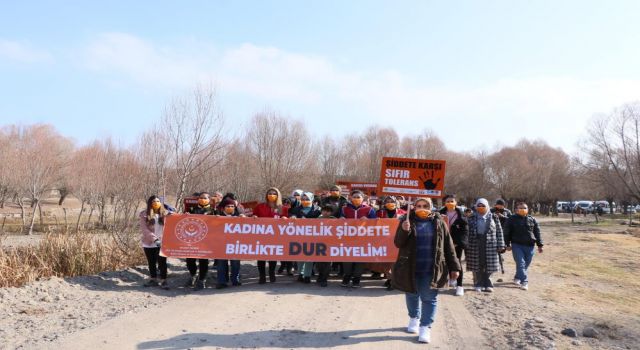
(262, 265)
(459, 251)
(156, 262)
(202, 268)
(323, 271)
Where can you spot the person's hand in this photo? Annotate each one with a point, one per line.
(364, 218)
(406, 225)
(294, 217)
(540, 249)
(242, 216)
(284, 217)
(453, 275)
(509, 248)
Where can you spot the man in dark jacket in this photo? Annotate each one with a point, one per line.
(426, 254)
(521, 235)
(500, 211)
(204, 207)
(335, 200)
(459, 231)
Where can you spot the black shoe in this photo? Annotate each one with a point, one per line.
(280, 270)
(200, 285)
(164, 285)
(262, 280)
(376, 276)
(307, 280)
(151, 283)
(345, 282)
(300, 278)
(289, 273)
(323, 284)
(237, 283)
(355, 285)
(191, 282)
(272, 278)
(221, 286)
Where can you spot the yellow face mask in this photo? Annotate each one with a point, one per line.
(450, 206)
(305, 203)
(481, 210)
(522, 212)
(156, 205)
(272, 197)
(423, 213)
(356, 201)
(203, 202)
(229, 210)
(390, 206)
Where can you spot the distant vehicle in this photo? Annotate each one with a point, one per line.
(583, 207)
(631, 209)
(563, 207)
(602, 207)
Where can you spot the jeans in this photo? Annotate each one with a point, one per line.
(423, 304)
(305, 268)
(154, 259)
(522, 255)
(223, 271)
(482, 280)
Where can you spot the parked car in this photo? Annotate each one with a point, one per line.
(583, 207)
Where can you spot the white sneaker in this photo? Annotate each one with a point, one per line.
(459, 291)
(516, 281)
(453, 283)
(425, 335)
(478, 289)
(524, 286)
(414, 324)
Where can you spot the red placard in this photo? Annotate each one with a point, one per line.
(412, 177)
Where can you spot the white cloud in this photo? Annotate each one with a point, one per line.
(23, 52)
(553, 108)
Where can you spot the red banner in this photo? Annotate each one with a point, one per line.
(342, 240)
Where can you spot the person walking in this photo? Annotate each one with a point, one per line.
(485, 243)
(459, 230)
(426, 253)
(521, 235)
(152, 227)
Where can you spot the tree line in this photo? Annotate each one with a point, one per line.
(190, 147)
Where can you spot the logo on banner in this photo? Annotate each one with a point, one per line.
(191, 230)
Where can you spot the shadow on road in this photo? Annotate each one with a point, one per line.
(285, 338)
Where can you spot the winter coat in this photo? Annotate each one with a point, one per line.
(349, 211)
(495, 241)
(459, 228)
(147, 228)
(504, 214)
(382, 213)
(263, 210)
(206, 210)
(335, 203)
(297, 212)
(404, 270)
(522, 230)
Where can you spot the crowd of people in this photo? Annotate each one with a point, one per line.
(431, 242)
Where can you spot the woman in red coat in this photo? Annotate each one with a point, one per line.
(271, 208)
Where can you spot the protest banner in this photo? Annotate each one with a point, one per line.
(412, 177)
(237, 238)
(369, 189)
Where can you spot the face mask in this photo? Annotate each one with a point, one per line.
(203, 202)
(423, 213)
(272, 197)
(390, 206)
(156, 205)
(523, 212)
(335, 194)
(450, 206)
(356, 201)
(229, 210)
(481, 210)
(305, 203)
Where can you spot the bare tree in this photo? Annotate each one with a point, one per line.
(194, 128)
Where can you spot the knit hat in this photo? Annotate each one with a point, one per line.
(227, 201)
(296, 192)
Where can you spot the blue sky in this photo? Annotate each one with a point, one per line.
(477, 73)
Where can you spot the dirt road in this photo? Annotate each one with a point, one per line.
(282, 315)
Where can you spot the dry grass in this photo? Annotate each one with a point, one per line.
(67, 256)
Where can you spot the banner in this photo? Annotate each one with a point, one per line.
(412, 177)
(236, 238)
